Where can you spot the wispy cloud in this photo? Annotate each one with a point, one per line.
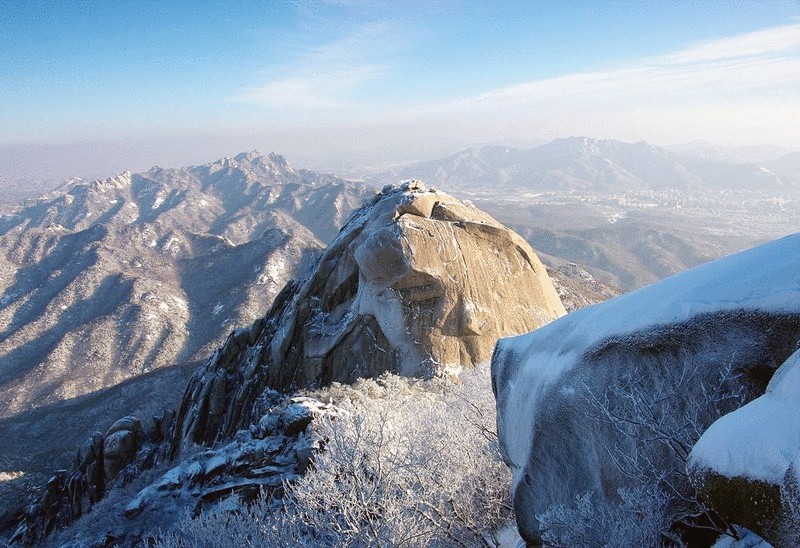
(738, 90)
(767, 42)
(324, 76)
(748, 83)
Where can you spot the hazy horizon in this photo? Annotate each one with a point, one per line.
(95, 89)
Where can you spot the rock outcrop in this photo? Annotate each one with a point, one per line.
(105, 460)
(747, 464)
(577, 288)
(120, 445)
(613, 397)
(275, 449)
(417, 283)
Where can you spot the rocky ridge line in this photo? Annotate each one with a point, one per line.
(101, 281)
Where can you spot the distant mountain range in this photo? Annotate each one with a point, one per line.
(742, 154)
(788, 163)
(630, 214)
(104, 285)
(582, 164)
(102, 281)
(111, 291)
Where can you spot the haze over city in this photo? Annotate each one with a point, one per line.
(94, 88)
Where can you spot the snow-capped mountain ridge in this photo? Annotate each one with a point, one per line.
(164, 235)
(416, 283)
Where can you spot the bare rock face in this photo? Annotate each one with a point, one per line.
(120, 445)
(421, 283)
(417, 283)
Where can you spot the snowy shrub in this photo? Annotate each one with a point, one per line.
(405, 462)
(228, 524)
(642, 518)
(654, 427)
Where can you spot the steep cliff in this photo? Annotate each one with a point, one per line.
(417, 283)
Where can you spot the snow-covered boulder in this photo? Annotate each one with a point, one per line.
(614, 396)
(417, 283)
(246, 466)
(747, 463)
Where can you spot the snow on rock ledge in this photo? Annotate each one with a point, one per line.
(747, 463)
(416, 283)
(673, 350)
(759, 440)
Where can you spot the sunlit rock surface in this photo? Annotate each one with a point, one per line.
(417, 283)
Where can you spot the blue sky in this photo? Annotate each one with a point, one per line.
(134, 83)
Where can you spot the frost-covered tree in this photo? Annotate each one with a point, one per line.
(405, 463)
(641, 518)
(654, 427)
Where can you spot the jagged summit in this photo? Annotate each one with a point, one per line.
(252, 155)
(254, 166)
(103, 280)
(416, 283)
